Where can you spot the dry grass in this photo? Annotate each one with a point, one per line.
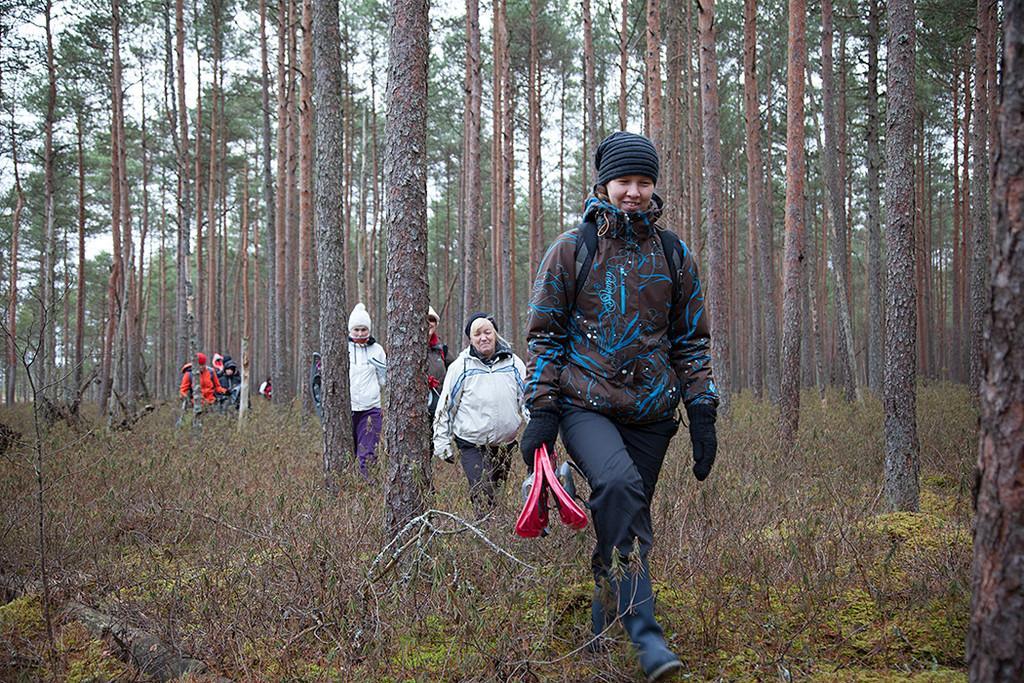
(223, 544)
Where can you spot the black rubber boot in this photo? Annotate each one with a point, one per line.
(636, 609)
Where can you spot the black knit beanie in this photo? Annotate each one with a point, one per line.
(476, 316)
(621, 154)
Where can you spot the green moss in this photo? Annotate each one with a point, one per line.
(88, 660)
(854, 675)
(427, 650)
(22, 619)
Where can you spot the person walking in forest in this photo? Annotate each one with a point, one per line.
(367, 364)
(231, 381)
(617, 337)
(208, 384)
(480, 409)
(437, 362)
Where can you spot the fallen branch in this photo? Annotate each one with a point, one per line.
(425, 523)
(145, 651)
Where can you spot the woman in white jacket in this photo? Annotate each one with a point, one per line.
(367, 363)
(481, 410)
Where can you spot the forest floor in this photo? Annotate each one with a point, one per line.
(223, 546)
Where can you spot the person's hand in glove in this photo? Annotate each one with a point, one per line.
(541, 429)
(703, 437)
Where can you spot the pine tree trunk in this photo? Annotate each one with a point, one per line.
(789, 398)
(266, 347)
(308, 308)
(980, 214)
(337, 401)
(837, 214)
(590, 134)
(243, 249)
(184, 197)
(279, 362)
(535, 193)
(876, 315)
(623, 63)
(900, 397)
(405, 430)
(652, 73)
(755, 217)
(11, 364)
(717, 295)
(471, 188)
(995, 649)
(47, 319)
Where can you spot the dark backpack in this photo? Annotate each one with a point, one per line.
(587, 247)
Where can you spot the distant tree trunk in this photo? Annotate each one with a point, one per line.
(211, 337)
(717, 295)
(337, 401)
(535, 192)
(837, 214)
(590, 134)
(184, 202)
(243, 361)
(471, 188)
(114, 289)
(790, 387)
(623, 63)
(505, 299)
(11, 369)
(279, 364)
(653, 74)
(900, 396)
(80, 297)
(958, 227)
(995, 648)
(755, 216)
(266, 348)
(980, 214)
(46, 278)
(876, 315)
(308, 306)
(405, 430)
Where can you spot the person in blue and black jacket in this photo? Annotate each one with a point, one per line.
(617, 337)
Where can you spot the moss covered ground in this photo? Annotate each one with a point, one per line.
(223, 544)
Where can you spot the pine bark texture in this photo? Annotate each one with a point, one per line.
(995, 637)
(309, 340)
(876, 315)
(900, 396)
(755, 215)
(837, 212)
(182, 333)
(789, 398)
(337, 405)
(980, 208)
(11, 362)
(652, 73)
(590, 133)
(405, 436)
(47, 320)
(471, 189)
(717, 295)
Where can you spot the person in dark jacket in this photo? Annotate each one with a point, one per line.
(231, 381)
(610, 358)
(437, 362)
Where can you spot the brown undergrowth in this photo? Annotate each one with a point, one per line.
(223, 545)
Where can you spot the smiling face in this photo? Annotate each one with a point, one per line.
(631, 193)
(359, 334)
(483, 338)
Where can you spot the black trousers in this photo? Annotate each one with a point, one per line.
(621, 463)
(486, 469)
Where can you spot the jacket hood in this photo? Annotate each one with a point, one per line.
(614, 222)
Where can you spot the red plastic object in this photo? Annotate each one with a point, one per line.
(571, 513)
(534, 516)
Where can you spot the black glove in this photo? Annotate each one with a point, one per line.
(541, 429)
(703, 437)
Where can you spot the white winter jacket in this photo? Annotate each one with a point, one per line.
(480, 403)
(366, 373)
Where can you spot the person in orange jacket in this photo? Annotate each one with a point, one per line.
(208, 384)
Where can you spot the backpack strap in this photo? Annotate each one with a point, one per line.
(586, 247)
(673, 248)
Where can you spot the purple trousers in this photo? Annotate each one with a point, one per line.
(366, 433)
